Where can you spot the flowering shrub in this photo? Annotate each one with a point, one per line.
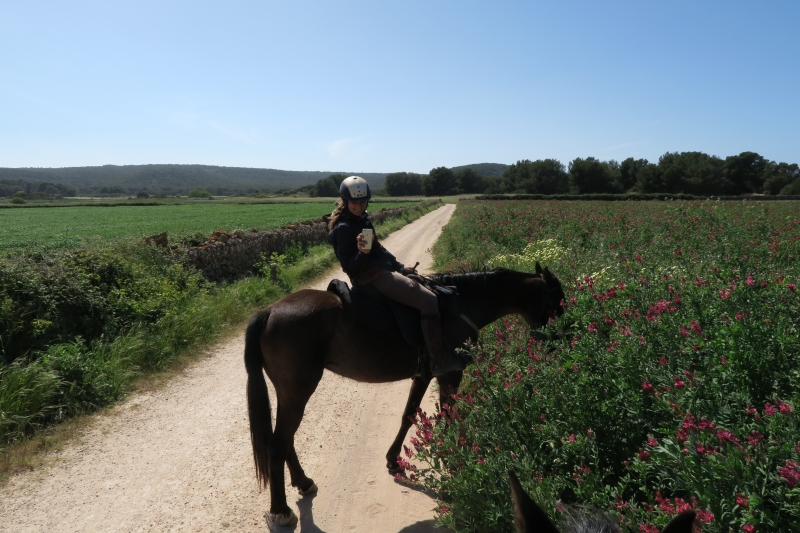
(670, 383)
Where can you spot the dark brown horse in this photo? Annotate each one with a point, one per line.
(308, 331)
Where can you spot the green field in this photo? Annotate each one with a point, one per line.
(73, 226)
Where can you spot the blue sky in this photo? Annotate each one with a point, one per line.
(383, 87)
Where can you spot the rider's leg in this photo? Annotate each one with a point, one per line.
(407, 291)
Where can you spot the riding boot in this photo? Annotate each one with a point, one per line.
(442, 361)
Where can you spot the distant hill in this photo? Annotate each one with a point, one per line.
(173, 179)
(492, 170)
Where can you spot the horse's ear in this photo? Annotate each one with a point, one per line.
(681, 523)
(529, 517)
(547, 275)
(538, 268)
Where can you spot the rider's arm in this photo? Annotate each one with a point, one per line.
(346, 248)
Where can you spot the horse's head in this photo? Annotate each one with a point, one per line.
(540, 312)
(530, 518)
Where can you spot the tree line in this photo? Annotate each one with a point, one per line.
(693, 173)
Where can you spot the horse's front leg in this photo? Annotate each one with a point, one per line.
(448, 385)
(415, 395)
(305, 485)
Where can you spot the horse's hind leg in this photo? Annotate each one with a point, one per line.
(290, 413)
(415, 395)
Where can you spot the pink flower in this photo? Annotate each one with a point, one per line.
(652, 442)
(609, 320)
(475, 448)
(647, 387)
(790, 473)
(481, 461)
(572, 437)
(724, 435)
(592, 327)
(662, 361)
(739, 315)
(643, 455)
(684, 331)
(724, 294)
(696, 327)
(754, 438)
(723, 361)
(679, 384)
(681, 434)
(704, 516)
(750, 281)
(769, 409)
(648, 528)
(742, 500)
(791, 287)
(748, 528)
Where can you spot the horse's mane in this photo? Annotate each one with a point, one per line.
(487, 278)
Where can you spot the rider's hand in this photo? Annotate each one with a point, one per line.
(409, 270)
(362, 244)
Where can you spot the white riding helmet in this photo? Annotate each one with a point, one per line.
(355, 188)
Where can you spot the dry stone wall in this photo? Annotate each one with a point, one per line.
(231, 255)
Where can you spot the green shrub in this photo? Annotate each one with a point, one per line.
(199, 193)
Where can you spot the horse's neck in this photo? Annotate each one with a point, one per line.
(485, 305)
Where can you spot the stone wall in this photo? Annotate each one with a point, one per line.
(230, 255)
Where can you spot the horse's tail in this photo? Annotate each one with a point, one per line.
(257, 396)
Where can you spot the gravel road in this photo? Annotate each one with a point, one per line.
(179, 458)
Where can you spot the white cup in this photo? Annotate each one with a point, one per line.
(367, 236)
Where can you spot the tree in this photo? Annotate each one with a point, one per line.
(745, 172)
(693, 173)
(629, 171)
(471, 182)
(441, 181)
(327, 187)
(403, 184)
(543, 176)
(778, 176)
(590, 176)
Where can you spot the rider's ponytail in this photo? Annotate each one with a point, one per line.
(341, 207)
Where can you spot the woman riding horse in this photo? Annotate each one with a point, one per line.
(375, 266)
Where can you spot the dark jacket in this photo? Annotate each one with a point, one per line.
(362, 268)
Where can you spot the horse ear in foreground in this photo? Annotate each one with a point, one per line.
(530, 518)
(308, 331)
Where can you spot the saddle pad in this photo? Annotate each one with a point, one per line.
(376, 311)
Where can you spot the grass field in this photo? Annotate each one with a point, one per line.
(72, 226)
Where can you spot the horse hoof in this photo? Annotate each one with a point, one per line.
(396, 469)
(286, 519)
(310, 490)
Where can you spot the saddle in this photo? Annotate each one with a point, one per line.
(376, 311)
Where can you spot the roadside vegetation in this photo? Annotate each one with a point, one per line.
(78, 328)
(670, 383)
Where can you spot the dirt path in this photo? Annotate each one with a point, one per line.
(179, 459)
